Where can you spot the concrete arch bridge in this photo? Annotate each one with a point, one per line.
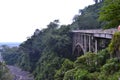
(91, 40)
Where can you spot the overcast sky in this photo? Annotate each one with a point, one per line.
(20, 18)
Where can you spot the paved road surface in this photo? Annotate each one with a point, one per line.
(19, 74)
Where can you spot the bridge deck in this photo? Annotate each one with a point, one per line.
(99, 33)
(96, 31)
(88, 40)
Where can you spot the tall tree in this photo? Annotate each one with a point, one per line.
(110, 13)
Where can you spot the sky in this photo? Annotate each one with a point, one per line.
(20, 18)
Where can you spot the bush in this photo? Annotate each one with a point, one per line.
(67, 65)
(87, 61)
(81, 74)
(69, 75)
(111, 66)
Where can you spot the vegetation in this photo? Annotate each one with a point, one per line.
(114, 46)
(10, 54)
(88, 16)
(110, 13)
(4, 72)
(91, 67)
(48, 52)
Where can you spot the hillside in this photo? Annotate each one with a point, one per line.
(44, 52)
(48, 52)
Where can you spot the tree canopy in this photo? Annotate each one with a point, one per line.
(110, 13)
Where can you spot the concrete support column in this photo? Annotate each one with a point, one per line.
(79, 36)
(89, 43)
(81, 39)
(74, 42)
(85, 43)
(96, 45)
(76, 38)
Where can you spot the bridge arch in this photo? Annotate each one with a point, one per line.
(78, 51)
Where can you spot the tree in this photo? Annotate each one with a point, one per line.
(86, 17)
(67, 65)
(53, 25)
(4, 72)
(110, 13)
(114, 47)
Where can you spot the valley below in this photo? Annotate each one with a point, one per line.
(19, 74)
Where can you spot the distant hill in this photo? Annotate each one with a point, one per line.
(10, 44)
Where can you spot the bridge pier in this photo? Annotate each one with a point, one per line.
(89, 42)
(85, 43)
(96, 44)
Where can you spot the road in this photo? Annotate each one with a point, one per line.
(19, 74)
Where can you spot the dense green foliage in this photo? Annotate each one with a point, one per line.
(91, 67)
(67, 65)
(44, 52)
(88, 18)
(4, 72)
(110, 13)
(10, 54)
(114, 46)
(48, 52)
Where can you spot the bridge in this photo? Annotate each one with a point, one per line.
(91, 40)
